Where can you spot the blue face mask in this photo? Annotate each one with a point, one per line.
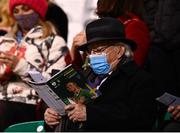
(99, 64)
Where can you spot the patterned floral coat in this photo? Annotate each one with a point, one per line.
(35, 53)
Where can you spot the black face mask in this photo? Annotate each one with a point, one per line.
(27, 22)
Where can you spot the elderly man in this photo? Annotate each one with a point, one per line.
(128, 95)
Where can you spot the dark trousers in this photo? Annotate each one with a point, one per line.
(171, 126)
(15, 112)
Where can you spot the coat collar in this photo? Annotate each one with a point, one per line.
(122, 71)
(126, 70)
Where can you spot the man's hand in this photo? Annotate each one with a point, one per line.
(76, 112)
(79, 39)
(51, 117)
(175, 111)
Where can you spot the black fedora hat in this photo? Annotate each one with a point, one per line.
(106, 29)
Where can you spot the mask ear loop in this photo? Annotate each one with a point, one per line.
(86, 63)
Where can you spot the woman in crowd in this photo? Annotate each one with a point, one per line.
(31, 45)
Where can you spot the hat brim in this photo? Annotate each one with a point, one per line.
(131, 43)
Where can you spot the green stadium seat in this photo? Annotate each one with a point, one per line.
(32, 126)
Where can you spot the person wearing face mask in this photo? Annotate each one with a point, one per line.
(31, 45)
(127, 102)
(130, 13)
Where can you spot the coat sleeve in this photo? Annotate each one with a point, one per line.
(57, 57)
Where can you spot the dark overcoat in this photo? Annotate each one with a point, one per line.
(127, 102)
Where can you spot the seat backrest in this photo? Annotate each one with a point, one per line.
(159, 123)
(32, 126)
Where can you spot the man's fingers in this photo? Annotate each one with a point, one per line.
(71, 113)
(51, 117)
(51, 121)
(171, 109)
(51, 111)
(177, 117)
(69, 107)
(176, 112)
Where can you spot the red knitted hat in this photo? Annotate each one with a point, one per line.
(40, 6)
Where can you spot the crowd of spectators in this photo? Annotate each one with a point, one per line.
(131, 45)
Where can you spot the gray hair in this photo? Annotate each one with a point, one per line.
(128, 54)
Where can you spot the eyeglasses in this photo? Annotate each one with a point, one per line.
(98, 50)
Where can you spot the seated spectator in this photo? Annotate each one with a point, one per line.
(130, 13)
(172, 125)
(31, 45)
(164, 52)
(128, 95)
